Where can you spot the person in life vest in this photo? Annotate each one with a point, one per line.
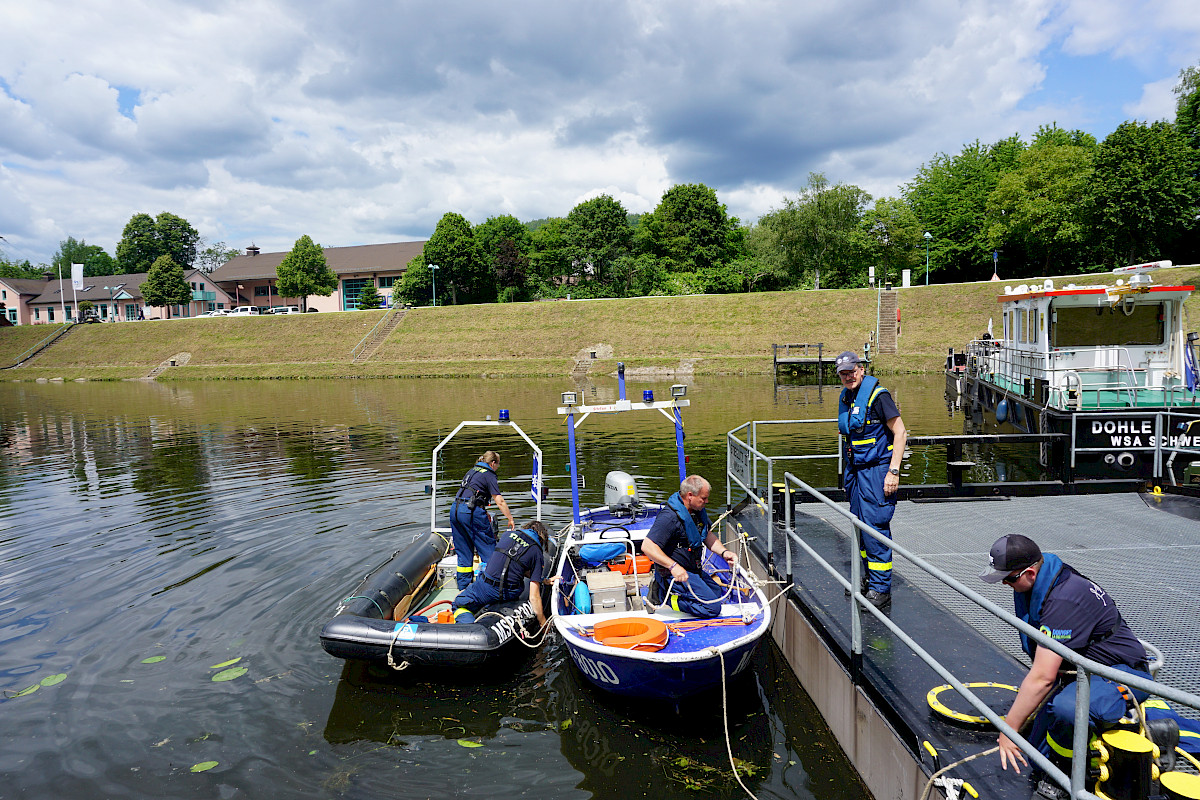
(676, 543)
(1054, 598)
(520, 555)
(873, 447)
(470, 525)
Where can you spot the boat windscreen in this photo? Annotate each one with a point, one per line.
(1107, 326)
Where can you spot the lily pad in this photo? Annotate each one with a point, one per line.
(204, 766)
(224, 664)
(469, 743)
(153, 659)
(28, 690)
(54, 680)
(229, 674)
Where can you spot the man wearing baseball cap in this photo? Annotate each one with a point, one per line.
(873, 437)
(1066, 606)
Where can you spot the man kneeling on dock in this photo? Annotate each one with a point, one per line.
(1051, 596)
(676, 543)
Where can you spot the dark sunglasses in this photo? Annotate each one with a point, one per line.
(1011, 579)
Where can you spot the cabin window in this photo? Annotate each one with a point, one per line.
(1034, 322)
(1019, 320)
(1108, 326)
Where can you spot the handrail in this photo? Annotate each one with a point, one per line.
(354, 353)
(1084, 666)
(43, 344)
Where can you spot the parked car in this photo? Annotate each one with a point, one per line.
(89, 317)
(218, 313)
(286, 310)
(244, 311)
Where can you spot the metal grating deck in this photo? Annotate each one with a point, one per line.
(1147, 559)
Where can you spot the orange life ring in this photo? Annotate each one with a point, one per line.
(632, 633)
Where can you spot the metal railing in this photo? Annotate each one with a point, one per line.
(1085, 667)
(42, 345)
(362, 343)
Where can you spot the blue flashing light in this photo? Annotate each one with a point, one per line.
(504, 415)
(647, 395)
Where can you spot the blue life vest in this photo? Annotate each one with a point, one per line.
(1028, 605)
(695, 536)
(868, 441)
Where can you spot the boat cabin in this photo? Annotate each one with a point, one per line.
(1092, 347)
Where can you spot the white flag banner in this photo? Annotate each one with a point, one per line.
(77, 276)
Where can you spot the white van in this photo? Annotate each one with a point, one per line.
(286, 310)
(244, 311)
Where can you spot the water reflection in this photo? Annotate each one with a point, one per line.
(202, 523)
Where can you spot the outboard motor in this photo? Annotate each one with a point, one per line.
(620, 491)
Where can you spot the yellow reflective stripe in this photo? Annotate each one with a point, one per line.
(1154, 702)
(875, 394)
(466, 569)
(675, 602)
(880, 566)
(863, 441)
(1183, 733)
(890, 446)
(1065, 752)
(459, 611)
(862, 553)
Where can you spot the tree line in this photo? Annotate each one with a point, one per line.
(1061, 202)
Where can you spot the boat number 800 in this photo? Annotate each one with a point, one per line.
(597, 670)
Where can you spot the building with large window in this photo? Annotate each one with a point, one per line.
(251, 278)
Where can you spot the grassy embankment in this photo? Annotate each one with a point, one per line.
(714, 334)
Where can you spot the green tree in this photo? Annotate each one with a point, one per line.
(598, 233)
(1146, 191)
(95, 261)
(550, 261)
(460, 267)
(894, 236)
(1187, 106)
(304, 272)
(165, 284)
(818, 231)
(145, 239)
(20, 269)
(505, 246)
(369, 298)
(949, 196)
(690, 230)
(1042, 208)
(214, 255)
(415, 285)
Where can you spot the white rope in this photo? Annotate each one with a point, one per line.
(725, 722)
(391, 661)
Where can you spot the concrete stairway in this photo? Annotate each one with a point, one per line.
(887, 343)
(369, 346)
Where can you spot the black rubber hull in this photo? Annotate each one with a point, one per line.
(361, 630)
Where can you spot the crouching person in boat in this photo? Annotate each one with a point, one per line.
(520, 554)
(470, 525)
(676, 545)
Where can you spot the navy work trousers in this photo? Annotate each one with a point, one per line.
(471, 533)
(864, 488)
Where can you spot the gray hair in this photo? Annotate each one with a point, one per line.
(694, 484)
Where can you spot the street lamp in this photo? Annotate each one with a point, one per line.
(433, 280)
(928, 236)
(110, 290)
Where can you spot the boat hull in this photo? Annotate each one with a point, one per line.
(362, 628)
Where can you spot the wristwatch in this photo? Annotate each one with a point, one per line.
(894, 471)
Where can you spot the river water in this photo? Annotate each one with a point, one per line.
(155, 536)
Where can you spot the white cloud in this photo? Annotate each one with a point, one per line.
(355, 121)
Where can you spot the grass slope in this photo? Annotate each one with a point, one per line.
(717, 333)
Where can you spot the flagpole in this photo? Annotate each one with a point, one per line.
(74, 297)
(62, 294)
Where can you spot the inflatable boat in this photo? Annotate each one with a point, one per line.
(401, 614)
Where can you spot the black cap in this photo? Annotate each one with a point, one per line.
(1009, 554)
(847, 361)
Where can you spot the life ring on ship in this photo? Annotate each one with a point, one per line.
(631, 633)
(963, 717)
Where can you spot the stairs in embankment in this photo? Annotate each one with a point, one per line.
(888, 337)
(41, 347)
(371, 342)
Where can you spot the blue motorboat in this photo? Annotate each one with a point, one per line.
(618, 639)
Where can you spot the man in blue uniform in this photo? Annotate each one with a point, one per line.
(675, 544)
(470, 525)
(874, 437)
(1054, 598)
(520, 554)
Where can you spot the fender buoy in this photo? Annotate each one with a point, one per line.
(632, 633)
(1002, 410)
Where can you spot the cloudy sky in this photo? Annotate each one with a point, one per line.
(363, 121)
